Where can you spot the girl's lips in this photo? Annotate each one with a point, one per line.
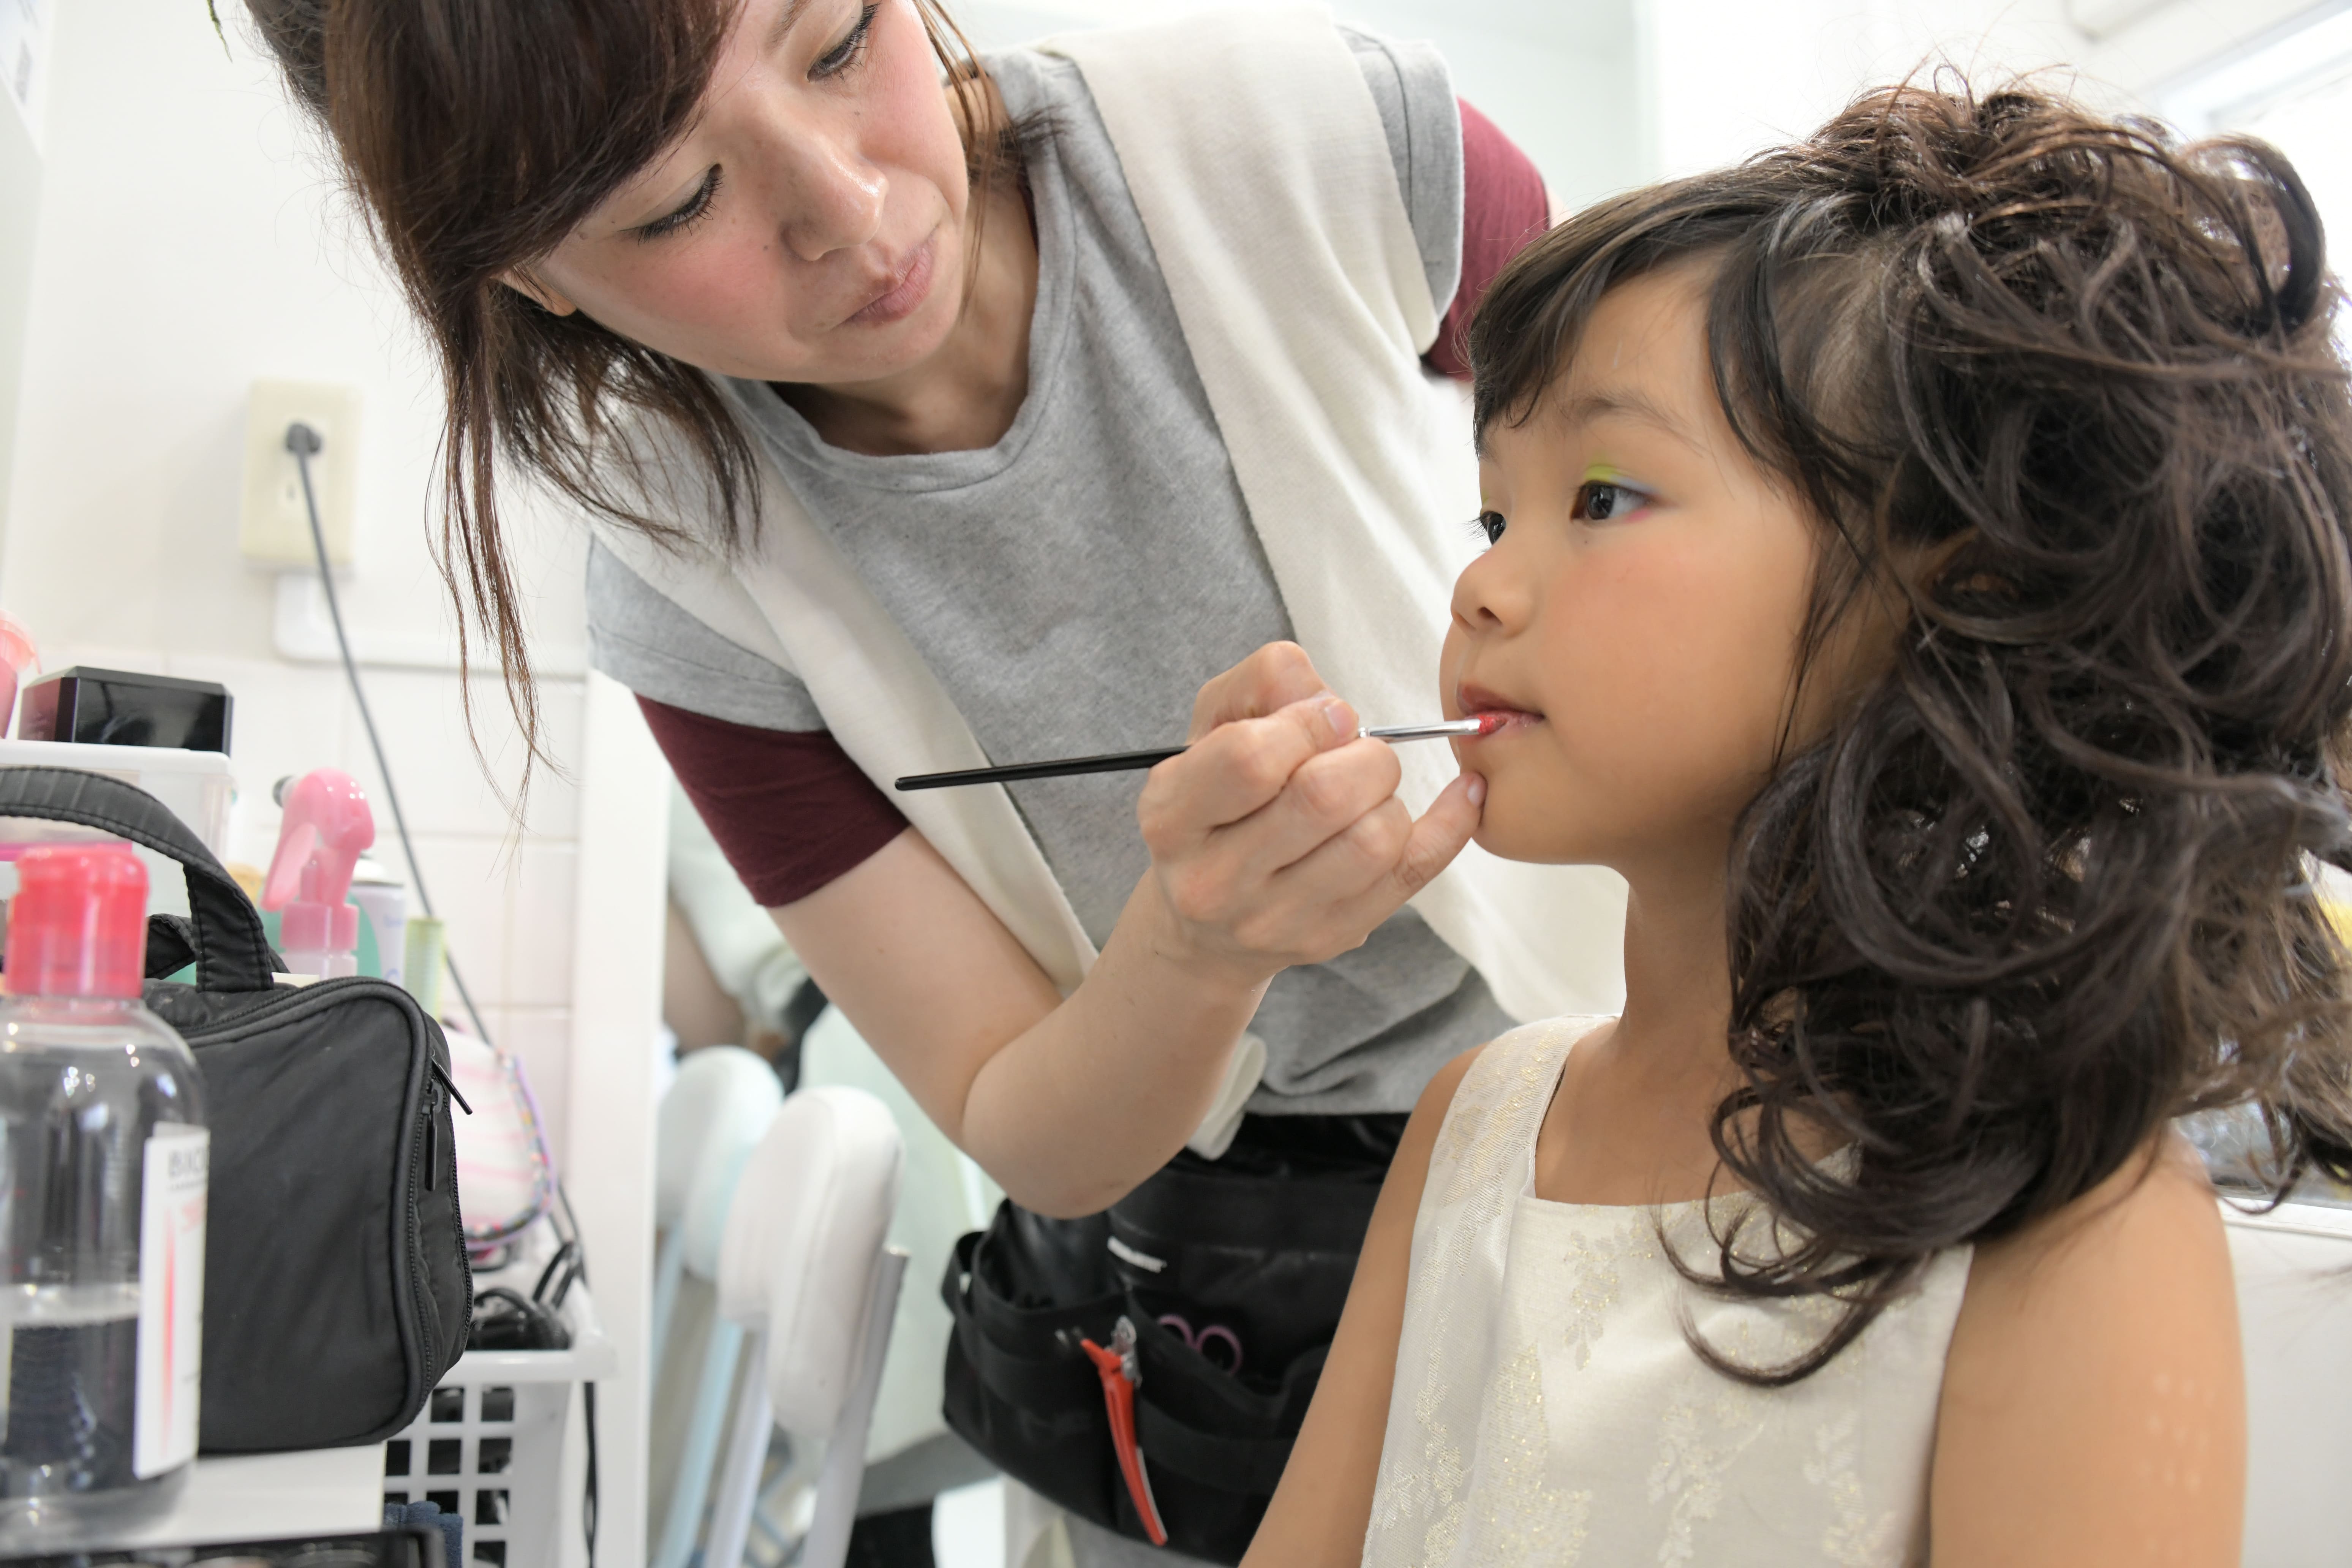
(1495, 711)
(901, 299)
(1499, 721)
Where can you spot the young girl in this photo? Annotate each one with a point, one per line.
(1919, 565)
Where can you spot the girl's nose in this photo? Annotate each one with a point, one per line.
(1490, 596)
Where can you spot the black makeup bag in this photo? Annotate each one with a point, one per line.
(1232, 1273)
(336, 1285)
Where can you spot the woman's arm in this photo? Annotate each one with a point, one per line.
(1276, 839)
(1325, 1502)
(2094, 1408)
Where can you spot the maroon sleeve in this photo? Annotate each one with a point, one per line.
(1504, 205)
(789, 808)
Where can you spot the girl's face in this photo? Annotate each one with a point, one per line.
(808, 227)
(1638, 615)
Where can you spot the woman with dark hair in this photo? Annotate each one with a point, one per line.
(1922, 562)
(931, 411)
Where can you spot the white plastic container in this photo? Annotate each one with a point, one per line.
(489, 1443)
(195, 785)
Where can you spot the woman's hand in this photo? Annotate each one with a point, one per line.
(1278, 837)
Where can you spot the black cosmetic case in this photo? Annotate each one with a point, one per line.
(336, 1286)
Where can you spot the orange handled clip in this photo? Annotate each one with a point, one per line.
(1122, 1376)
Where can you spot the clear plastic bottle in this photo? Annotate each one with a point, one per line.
(104, 1157)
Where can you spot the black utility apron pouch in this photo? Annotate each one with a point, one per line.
(1260, 1245)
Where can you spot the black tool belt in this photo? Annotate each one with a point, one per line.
(1232, 1273)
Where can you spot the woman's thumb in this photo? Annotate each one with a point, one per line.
(1441, 833)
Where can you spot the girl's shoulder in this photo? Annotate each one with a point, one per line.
(1478, 1116)
(1509, 1068)
(2101, 1339)
(2144, 1242)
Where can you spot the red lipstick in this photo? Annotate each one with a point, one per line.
(1494, 711)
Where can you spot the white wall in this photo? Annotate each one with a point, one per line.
(20, 198)
(1559, 78)
(1727, 78)
(190, 240)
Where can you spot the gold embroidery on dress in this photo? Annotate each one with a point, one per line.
(1488, 1127)
(1700, 1435)
(1522, 1517)
(1593, 1268)
(1852, 1539)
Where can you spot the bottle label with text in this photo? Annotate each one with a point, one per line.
(170, 1297)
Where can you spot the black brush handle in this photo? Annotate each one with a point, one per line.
(1064, 767)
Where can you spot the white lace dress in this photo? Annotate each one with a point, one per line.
(1548, 1409)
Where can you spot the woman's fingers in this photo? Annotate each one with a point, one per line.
(1326, 796)
(1277, 837)
(1440, 835)
(1272, 679)
(1360, 877)
(1235, 771)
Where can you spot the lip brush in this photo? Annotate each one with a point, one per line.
(1135, 762)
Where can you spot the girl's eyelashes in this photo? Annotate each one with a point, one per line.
(1488, 526)
(849, 51)
(684, 217)
(1601, 499)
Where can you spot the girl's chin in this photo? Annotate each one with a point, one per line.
(1511, 836)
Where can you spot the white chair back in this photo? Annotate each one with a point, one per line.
(2294, 1267)
(721, 1104)
(710, 1083)
(804, 1270)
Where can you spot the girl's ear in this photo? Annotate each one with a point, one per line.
(530, 287)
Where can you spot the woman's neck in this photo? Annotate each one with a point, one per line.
(965, 395)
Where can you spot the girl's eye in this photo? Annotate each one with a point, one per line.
(1604, 500)
(1489, 526)
(684, 217)
(846, 53)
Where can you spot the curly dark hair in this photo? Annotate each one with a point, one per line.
(2063, 394)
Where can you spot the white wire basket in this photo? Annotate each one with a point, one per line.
(489, 1444)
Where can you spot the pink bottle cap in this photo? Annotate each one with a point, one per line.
(78, 925)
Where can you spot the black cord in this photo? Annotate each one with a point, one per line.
(588, 1502)
(305, 444)
(566, 1262)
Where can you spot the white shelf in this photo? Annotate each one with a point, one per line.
(263, 1497)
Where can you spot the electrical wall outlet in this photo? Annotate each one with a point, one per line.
(273, 526)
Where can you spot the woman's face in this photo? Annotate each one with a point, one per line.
(810, 225)
(1638, 615)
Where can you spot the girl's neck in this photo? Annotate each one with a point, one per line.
(1630, 1122)
(1678, 969)
(967, 394)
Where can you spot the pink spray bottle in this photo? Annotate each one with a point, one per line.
(327, 824)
